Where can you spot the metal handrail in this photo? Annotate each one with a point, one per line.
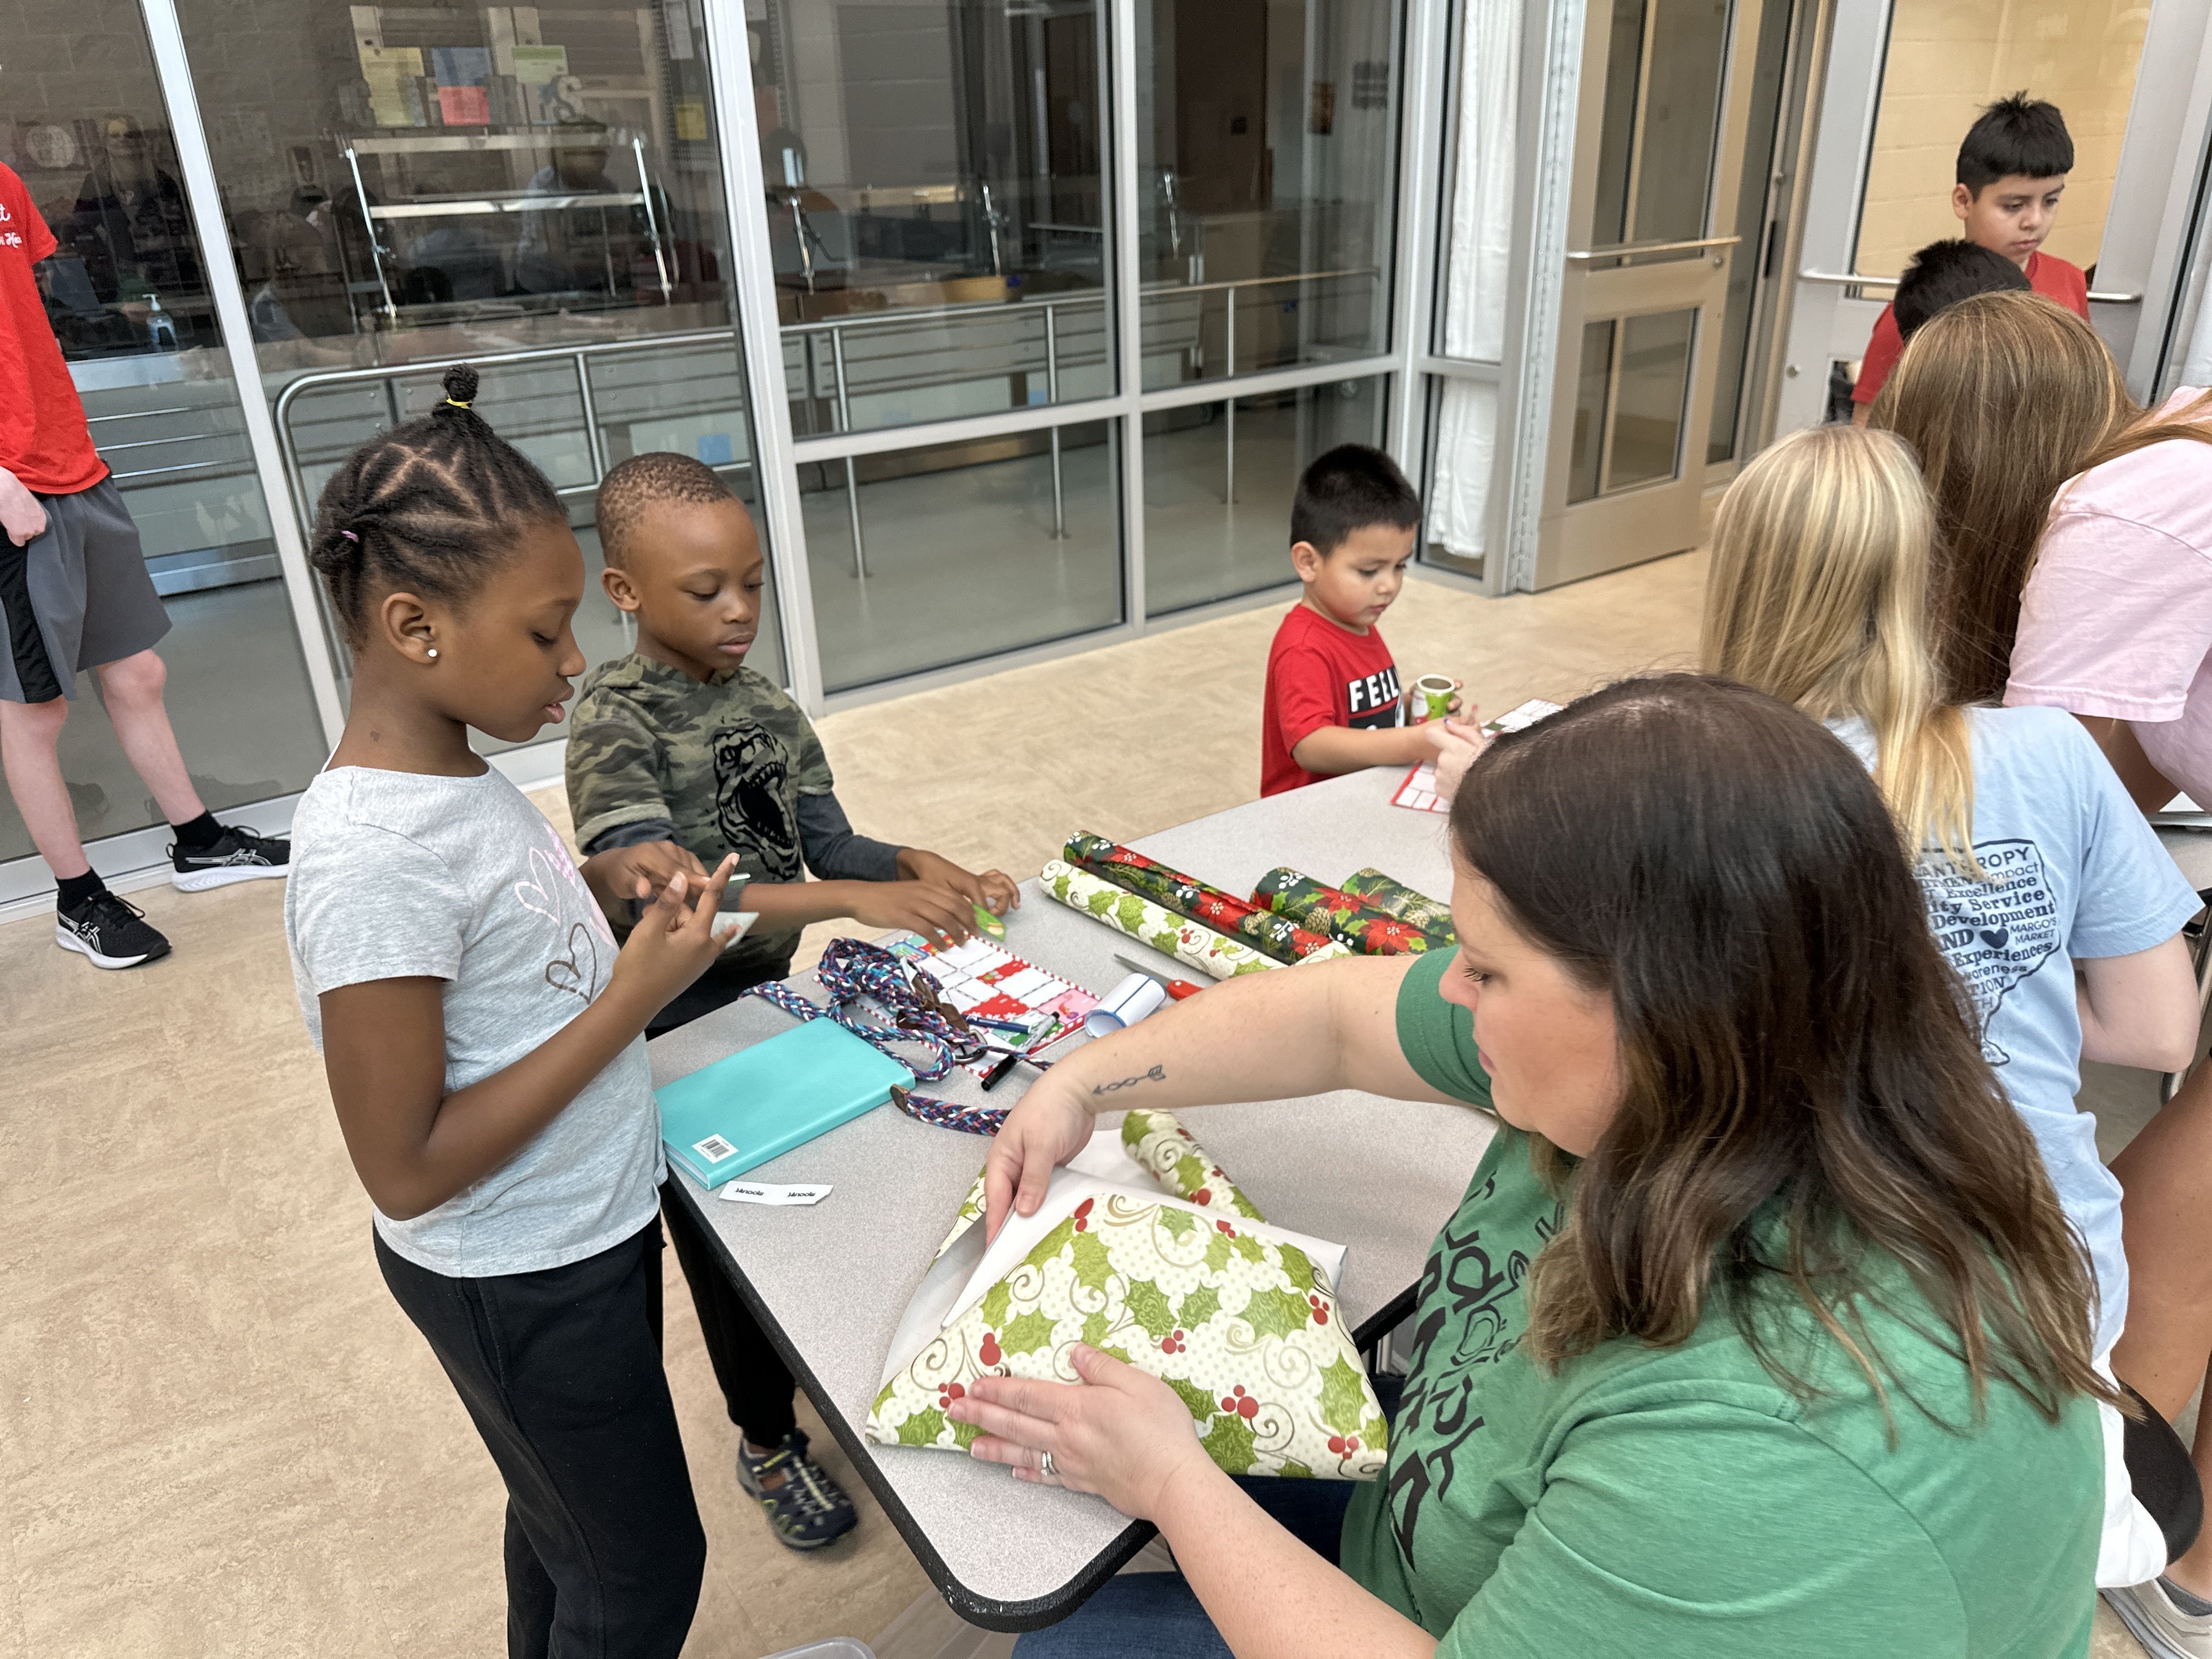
(1000, 307)
(1632, 250)
(1853, 279)
(579, 356)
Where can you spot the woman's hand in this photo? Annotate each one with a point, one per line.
(1119, 1433)
(1458, 743)
(1047, 1127)
(673, 943)
(993, 890)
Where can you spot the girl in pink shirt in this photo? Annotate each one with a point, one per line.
(2116, 624)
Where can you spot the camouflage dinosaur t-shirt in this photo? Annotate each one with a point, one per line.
(724, 760)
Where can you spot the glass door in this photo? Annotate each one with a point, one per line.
(1665, 102)
(1905, 81)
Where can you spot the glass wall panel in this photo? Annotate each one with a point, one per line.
(1218, 479)
(537, 188)
(1266, 138)
(1945, 62)
(930, 557)
(936, 204)
(126, 292)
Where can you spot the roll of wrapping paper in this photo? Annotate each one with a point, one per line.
(1322, 908)
(1165, 1151)
(1276, 936)
(1213, 954)
(1371, 887)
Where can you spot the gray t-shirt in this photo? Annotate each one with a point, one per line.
(2073, 873)
(397, 875)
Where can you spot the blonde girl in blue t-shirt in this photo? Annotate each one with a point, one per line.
(482, 1032)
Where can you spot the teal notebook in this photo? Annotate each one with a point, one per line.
(761, 1102)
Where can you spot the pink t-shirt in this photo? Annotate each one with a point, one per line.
(2116, 619)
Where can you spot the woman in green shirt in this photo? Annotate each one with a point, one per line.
(1758, 1331)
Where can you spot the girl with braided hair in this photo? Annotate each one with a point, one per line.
(483, 1033)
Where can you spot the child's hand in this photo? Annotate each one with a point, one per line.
(613, 875)
(940, 915)
(672, 943)
(993, 889)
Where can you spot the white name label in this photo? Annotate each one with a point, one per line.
(753, 1192)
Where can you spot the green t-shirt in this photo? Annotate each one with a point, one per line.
(723, 760)
(1680, 1501)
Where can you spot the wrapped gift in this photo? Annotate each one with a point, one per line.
(1175, 1275)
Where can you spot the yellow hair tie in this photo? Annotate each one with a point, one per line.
(457, 403)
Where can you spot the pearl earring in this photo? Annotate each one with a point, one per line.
(433, 651)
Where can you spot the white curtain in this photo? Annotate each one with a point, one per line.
(1475, 272)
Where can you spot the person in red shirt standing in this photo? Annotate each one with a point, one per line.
(1333, 703)
(75, 595)
(2011, 171)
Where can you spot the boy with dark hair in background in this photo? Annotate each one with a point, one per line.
(1943, 274)
(682, 755)
(2012, 170)
(1332, 702)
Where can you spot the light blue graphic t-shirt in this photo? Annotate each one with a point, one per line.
(2073, 872)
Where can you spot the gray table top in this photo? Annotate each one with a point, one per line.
(832, 1280)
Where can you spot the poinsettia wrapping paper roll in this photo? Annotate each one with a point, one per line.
(1213, 954)
(1327, 909)
(1278, 936)
(1394, 898)
(1233, 1317)
(1167, 1152)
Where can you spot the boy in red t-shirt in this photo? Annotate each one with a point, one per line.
(2012, 170)
(1333, 703)
(75, 595)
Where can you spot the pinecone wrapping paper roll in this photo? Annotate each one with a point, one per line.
(1393, 898)
(1323, 908)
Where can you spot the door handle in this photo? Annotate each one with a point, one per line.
(1852, 279)
(1628, 249)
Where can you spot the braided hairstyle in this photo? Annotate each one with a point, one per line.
(429, 507)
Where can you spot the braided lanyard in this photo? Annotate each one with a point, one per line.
(851, 969)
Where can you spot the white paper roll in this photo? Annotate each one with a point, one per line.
(1125, 1004)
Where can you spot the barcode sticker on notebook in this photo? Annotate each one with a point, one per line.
(713, 1149)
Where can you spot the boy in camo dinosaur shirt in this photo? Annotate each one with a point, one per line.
(678, 755)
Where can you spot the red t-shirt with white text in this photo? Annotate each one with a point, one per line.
(43, 440)
(2047, 274)
(1320, 674)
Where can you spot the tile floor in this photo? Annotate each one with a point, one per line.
(220, 1434)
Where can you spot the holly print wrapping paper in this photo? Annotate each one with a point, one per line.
(1226, 1310)
(1393, 898)
(1323, 908)
(1213, 954)
(1165, 1150)
(1277, 936)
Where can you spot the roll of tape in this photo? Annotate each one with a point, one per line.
(1129, 1002)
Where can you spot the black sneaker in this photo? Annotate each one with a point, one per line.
(237, 856)
(809, 1510)
(113, 932)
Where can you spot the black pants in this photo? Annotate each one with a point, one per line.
(756, 1387)
(560, 1372)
